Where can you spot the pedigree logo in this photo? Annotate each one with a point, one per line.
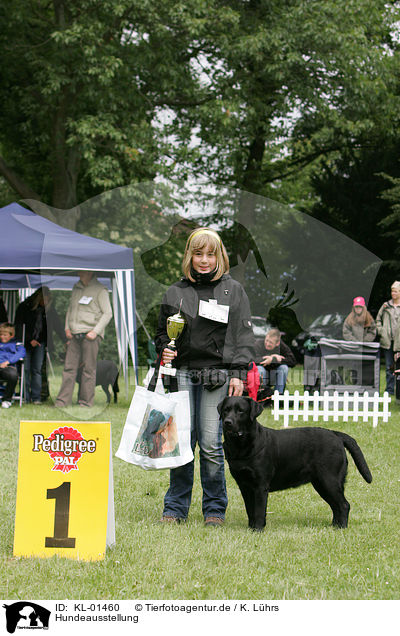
(65, 446)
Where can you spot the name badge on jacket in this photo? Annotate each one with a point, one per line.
(212, 311)
(85, 300)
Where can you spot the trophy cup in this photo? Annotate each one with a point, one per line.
(175, 326)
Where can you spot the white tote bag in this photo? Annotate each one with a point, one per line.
(156, 434)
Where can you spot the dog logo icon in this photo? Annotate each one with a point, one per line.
(26, 615)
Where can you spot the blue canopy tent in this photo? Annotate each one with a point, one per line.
(37, 252)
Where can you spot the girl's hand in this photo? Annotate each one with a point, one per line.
(236, 387)
(168, 355)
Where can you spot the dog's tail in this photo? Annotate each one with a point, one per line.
(357, 455)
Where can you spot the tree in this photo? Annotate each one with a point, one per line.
(81, 84)
(349, 193)
(84, 84)
(281, 63)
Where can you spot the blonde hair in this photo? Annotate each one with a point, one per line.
(198, 240)
(274, 333)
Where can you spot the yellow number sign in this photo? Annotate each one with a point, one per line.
(65, 500)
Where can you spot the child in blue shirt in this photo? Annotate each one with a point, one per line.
(10, 352)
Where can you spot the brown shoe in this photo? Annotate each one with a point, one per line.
(213, 521)
(170, 519)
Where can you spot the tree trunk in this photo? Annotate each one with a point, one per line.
(251, 182)
(16, 182)
(65, 160)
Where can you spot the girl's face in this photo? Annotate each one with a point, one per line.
(204, 260)
(358, 309)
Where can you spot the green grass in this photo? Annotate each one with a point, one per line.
(298, 556)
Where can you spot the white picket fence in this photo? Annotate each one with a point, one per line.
(312, 406)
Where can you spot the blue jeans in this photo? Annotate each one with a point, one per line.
(33, 372)
(206, 430)
(274, 377)
(389, 364)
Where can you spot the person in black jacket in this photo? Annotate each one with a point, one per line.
(40, 319)
(3, 311)
(212, 358)
(273, 359)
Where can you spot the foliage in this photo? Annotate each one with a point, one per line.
(81, 85)
(322, 63)
(390, 223)
(288, 100)
(390, 194)
(351, 199)
(100, 94)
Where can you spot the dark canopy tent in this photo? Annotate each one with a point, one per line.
(32, 248)
(31, 242)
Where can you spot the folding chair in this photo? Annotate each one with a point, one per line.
(21, 367)
(20, 397)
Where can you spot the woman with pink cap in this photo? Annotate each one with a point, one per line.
(359, 325)
(388, 325)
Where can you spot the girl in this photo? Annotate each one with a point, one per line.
(212, 358)
(359, 325)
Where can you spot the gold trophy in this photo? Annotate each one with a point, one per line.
(175, 326)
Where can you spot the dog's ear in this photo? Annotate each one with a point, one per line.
(220, 405)
(255, 408)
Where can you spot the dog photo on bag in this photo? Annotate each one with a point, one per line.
(263, 460)
(158, 436)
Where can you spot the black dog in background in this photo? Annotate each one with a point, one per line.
(106, 375)
(264, 460)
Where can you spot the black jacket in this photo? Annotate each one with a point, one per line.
(282, 349)
(206, 343)
(3, 311)
(39, 324)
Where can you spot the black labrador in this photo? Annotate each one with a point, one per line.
(106, 375)
(264, 460)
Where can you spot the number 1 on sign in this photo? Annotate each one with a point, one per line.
(61, 517)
